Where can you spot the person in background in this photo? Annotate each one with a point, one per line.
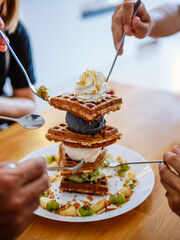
(160, 22)
(21, 184)
(22, 101)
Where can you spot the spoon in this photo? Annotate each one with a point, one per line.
(73, 169)
(33, 89)
(120, 164)
(31, 121)
(136, 7)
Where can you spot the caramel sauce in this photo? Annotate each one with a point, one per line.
(84, 77)
(90, 198)
(76, 205)
(85, 202)
(68, 205)
(119, 206)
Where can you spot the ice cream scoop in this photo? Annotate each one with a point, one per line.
(87, 154)
(79, 125)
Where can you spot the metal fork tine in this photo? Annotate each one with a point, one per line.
(120, 164)
(73, 169)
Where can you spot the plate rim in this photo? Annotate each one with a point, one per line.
(94, 218)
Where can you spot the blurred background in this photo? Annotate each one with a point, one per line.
(70, 36)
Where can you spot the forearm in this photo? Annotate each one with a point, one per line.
(165, 20)
(16, 106)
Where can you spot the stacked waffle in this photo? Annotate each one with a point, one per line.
(85, 133)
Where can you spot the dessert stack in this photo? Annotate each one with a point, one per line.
(85, 134)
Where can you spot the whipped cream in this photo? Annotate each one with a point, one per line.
(92, 87)
(87, 154)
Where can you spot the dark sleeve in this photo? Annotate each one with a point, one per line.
(21, 45)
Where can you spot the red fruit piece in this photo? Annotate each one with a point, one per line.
(111, 92)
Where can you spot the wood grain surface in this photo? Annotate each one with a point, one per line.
(150, 123)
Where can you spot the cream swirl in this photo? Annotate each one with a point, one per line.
(92, 87)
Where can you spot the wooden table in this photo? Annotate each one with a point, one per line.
(150, 123)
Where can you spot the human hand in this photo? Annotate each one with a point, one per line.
(3, 46)
(123, 21)
(20, 189)
(170, 178)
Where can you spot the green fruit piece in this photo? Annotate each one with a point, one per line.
(52, 158)
(86, 210)
(56, 157)
(52, 205)
(75, 178)
(132, 186)
(121, 173)
(124, 168)
(39, 91)
(49, 159)
(117, 198)
(43, 92)
(43, 195)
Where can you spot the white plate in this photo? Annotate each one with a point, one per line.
(144, 174)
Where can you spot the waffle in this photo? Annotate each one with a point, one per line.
(96, 145)
(99, 188)
(62, 154)
(86, 167)
(88, 111)
(61, 132)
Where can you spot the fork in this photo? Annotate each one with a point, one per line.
(73, 169)
(33, 89)
(136, 7)
(120, 164)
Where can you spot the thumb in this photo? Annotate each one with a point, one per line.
(141, 29)
(3, 164)
(176, 150)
